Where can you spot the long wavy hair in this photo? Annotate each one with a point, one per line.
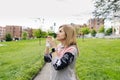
(70, 35)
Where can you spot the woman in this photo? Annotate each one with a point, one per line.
(62, 56)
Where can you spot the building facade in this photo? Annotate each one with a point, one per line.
(29, 32)
(15, 31)
(95, 23)
(2, 33)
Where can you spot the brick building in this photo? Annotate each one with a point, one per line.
(15, 31)
(2, 33)
(95, 23)
(29, 32)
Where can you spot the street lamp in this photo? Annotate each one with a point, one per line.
(40, 29)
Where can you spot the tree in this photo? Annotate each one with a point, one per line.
(8, 37)
(30, 33)
(51, 33)
(43, 34)
(106, 8)
(83, 31)
(109, 31)
(24, 35)
(101, 29)
(37, 33)
(93, 32)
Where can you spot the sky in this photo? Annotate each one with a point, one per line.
(44, 13)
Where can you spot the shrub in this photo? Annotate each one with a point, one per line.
(93, 32)
(8, 37)
(108, 31)
(101, 29)
(24, 35)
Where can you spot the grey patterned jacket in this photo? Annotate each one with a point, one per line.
(63, 66)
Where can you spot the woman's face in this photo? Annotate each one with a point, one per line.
(60, 34)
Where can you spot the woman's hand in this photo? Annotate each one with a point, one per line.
(51, 42)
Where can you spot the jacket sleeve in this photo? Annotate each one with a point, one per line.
(67, 58)
(48, 58)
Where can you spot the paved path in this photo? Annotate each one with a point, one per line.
(44, 74)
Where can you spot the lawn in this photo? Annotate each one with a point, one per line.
(99, 59)
(20, 60)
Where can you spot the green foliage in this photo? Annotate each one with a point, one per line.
(21, 60)
(93, 32)
(34, 33)
(50, 33)
(108, 31)
(37, 33)
(43, 34)
(105, 8)
(24, 35)
(8, 37)
(85, 30)
(99, 59)
(101, 29)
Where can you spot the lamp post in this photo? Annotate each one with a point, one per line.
(40, 29)
(54, 27)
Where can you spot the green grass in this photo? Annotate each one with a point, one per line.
(20, 60)
(99, 59)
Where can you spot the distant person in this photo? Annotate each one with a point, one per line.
(62, 56)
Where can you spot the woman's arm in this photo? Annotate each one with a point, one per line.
(67, 58)
(48, 56)
(50, 43)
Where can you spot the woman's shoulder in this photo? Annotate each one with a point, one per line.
(72, 49)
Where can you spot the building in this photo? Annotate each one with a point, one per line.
(78, 28)
(15, 31)
(29, 32)
(95, 23)
(2, 33)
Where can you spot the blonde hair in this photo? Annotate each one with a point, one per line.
(70, 35)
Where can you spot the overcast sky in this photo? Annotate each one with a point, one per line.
(25, 12)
